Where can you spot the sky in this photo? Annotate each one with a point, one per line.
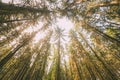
(64, 23)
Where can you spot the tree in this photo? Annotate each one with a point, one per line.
(93, 49)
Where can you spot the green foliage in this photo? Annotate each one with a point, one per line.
(113, 32)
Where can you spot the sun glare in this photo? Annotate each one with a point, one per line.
(65, 24)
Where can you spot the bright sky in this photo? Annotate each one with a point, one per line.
(64, 23)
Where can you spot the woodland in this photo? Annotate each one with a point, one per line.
(89, 51)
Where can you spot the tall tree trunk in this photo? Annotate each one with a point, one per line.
(58, 75)
(24, 66)
(8, 57)
(90, 60)
(78, 68)
(113, 75)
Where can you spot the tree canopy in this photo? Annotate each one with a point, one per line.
(34, 47)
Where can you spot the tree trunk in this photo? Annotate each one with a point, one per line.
(10, 55)
(113, 76)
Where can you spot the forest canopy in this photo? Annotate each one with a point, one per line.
(59, 39)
